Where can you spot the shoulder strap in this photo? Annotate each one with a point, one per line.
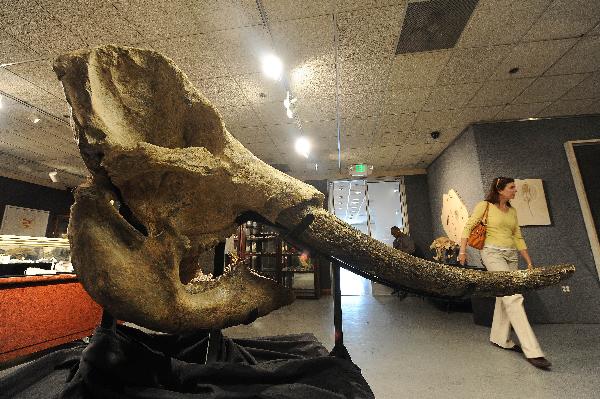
(485, 214)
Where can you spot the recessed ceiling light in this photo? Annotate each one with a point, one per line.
(272, 66)
(36, 120)
(302, 146)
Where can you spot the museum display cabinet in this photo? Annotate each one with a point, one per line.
(270, 255)
(42, 304)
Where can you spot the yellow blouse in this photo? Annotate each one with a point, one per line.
(502, 227)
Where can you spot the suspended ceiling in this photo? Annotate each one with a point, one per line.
(388, 104)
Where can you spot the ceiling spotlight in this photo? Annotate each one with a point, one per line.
(272, 66)
(289, 113)
(54, 176)
(303, 146)
(36, 120)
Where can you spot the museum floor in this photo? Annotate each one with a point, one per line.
(410, 349)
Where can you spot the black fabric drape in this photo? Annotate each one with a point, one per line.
(128, 363)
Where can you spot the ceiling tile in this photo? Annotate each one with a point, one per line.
(565, 18)
(472, 65)
(500, 21)
(500, 92)
(548, 88)
(95, 23)
(259, 89)
(283, 10)
(320, 128)
(56, 107)
(40, 74)
(360, 105)
(12, 50)
(395, 123)
(361, 77)
(17, 86)
(583, 57)
(588, 88)
(316, 108)
(434, 120)
(242, 116)
(521, 111)
(241, 49)
(595, 31)
(418, 69)
(301, 40)
(532, 58)
(450, 97)
(405, 100)
(354, 127)
(222, 91)
(467, 116)
(283, 133)
(349, 5)
(198, 56)
(567, 107)
(308, 80)
(38, 29)
(369, 33)
(272, 113)
(250, 134)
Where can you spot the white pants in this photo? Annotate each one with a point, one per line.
(509, 310)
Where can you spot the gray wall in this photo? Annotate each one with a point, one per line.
(456, 168)
(532, 149)
(419, 213)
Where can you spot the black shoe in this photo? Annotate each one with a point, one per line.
(515, 348)
(540, 362)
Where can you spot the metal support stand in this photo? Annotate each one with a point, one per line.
(339, 350)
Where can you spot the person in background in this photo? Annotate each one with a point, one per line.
(503, 243)
(402, 241)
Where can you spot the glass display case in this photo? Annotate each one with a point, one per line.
(23, 255)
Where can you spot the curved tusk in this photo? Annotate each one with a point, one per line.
(373, 259)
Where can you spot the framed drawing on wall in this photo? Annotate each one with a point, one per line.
(24, 221)
(584, 161)
(530, 203)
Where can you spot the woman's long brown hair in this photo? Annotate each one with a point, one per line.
(498, 184)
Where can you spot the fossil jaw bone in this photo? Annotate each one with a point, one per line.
(158, 147)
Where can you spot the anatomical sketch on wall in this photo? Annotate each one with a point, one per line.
(169, 182)
(530, 203)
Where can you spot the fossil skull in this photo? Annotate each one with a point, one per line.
(157, 147)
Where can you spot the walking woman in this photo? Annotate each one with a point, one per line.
(503, 243)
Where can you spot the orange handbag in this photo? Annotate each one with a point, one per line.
(477, 237)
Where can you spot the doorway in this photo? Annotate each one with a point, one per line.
(372, 207)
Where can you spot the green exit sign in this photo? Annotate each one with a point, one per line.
(361, 168)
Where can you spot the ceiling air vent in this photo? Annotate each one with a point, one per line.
(433, 25)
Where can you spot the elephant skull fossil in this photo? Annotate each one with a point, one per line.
(158, 148)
